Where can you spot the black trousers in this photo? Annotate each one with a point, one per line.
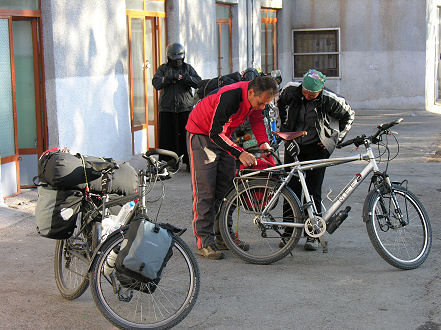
(314, 178)
(212, 173)
(172, 132)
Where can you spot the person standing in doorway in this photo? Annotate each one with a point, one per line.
(326, 117)
(175, 79)
(212, 152)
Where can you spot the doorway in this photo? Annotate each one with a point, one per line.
(22, 139)
(146, 46)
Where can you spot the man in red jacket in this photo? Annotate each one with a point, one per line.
(212, 152)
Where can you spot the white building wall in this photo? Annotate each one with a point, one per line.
(193, 24)
(432, 52)
(86, 52)
(8, 180)
(383, 47)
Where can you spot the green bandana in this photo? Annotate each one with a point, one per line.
(313, 80)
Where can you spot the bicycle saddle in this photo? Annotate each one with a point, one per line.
(288, 136)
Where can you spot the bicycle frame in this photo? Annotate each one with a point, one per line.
(300, 167)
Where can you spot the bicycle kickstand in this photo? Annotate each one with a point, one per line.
(324, 244)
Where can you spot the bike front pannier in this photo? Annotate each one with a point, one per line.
(57, 211)
(144, 253)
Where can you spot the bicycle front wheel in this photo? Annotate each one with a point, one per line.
(71, 261)
(154, 305)
(267, 243)
(403, 244)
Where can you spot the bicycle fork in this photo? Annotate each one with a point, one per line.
(397, 208)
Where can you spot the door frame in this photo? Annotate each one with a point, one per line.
(40, 118)
(219, 23)
(154, 17)
(12, 158)
(39, 82)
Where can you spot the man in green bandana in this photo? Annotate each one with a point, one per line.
(326, 117)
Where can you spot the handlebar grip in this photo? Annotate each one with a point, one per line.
(344, 144)
(389, 125)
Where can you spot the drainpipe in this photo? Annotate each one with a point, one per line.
(2, 201)
(250, 43)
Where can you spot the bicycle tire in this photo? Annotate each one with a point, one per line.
(405, 247)
(179, 285)
(71, 261)
(244, 224)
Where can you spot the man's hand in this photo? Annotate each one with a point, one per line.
(247, 159)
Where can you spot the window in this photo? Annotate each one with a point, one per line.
(223, 39)
(317, 49)
(268, 39)
(157, 6)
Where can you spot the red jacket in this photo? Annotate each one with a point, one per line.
(218, 115)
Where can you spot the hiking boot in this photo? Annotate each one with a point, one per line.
(211, 252)
(241, 244)
(312, 244)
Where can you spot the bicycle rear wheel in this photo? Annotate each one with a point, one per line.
(244, 222)
(147, 305)
(403, 246)
(71, 261)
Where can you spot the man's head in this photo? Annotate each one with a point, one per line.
(313, 84)
(261, 91)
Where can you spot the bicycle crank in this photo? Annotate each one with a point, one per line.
(315, 230)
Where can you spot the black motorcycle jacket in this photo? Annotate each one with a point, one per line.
(176, 95)
(334, 114)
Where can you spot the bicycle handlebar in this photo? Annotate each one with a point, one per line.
(162, 152)
(359, 140)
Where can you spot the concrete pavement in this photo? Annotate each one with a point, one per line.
(350, 287)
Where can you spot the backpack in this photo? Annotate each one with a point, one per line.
(57, 212)
(208, 85)
(143, 255)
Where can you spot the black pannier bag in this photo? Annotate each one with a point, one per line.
(63, 170)
(143, 255)
(57, 211)
(124, 180)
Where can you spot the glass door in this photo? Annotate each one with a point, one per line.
(143, 54)
(27, 90)
(21, 133)
(8, 128)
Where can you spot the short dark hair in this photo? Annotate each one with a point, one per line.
(262, 84)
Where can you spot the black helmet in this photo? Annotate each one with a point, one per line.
(250, 73)
(175, 51)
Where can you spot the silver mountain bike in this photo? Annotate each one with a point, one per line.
(261, 206)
